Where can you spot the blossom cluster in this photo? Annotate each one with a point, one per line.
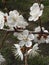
(26, 38)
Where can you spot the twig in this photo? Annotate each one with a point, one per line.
(33, 32)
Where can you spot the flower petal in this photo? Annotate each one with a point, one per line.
(31, 37)
(37, 29)
(20, 36)
(21, 43)
(26, 33)
(31, 18)
(28, 44)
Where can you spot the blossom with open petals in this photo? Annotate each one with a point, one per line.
(35, 11)
(16, 20)
(25, 38)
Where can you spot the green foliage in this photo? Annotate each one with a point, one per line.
(39, 60)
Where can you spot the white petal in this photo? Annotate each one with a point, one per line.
(21, 43)
(1, 21)
(37, 29)
(42, 6)
(29, 51)
(21, 23)
(18, 53)
(17, 46)
(34, 6)
(32, 53)
(35, 47)
(28, 44)
(36, 18)
(31, 37)
(31, 18)
(40, 13)
(43, 28)
(46, 31)
(26, 33)
(20, 36)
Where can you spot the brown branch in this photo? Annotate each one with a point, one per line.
(33, 32)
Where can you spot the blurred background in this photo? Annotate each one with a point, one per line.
(23, 7)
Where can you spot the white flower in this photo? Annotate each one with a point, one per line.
(1, 59)
(25, 38)
(1, 20)
(40, 38)
(33, 52)
(16, 20)
(18, 52)
(35, 12)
